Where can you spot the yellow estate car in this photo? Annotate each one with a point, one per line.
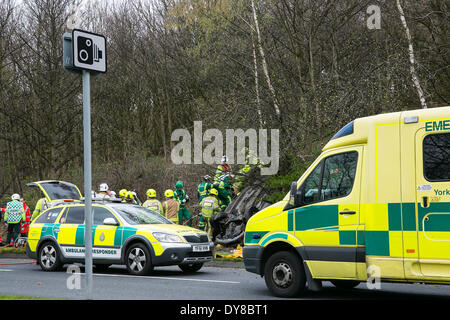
(122, 233)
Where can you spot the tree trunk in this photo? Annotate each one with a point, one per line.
(412, 60)
(264, 62)
(255, 65)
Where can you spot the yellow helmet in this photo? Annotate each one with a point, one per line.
(123, 192)
(168, 193)
(129, 196)
(214, 191)
(151, 193)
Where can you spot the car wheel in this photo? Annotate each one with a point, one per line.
(49, 257)
(138, 260)
(345, 284)
(190, 267)
(284, 275)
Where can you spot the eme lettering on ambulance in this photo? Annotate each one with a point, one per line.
(437, 125)
(96, 252)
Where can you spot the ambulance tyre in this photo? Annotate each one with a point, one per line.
(138, 260)
(284, 275)
(345, 284)
(49, 257)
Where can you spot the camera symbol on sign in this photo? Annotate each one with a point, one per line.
(88, 51)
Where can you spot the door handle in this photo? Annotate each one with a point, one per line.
(425, 203)
(347, 212)
(56, 230)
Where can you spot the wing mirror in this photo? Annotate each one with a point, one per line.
(295, 196)
(110, 222)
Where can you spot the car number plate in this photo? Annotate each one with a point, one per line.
(201, 248)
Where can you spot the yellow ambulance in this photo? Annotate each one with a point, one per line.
(374, 206)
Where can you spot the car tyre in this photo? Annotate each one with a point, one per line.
(138, 260)
(190, 267)
(49, 257)
(285, 275)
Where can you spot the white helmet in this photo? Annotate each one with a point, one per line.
(103, 187)
(15, 196)
(224, 159)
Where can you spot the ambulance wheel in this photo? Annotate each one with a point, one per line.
(345, 284)
(138, 260)
(49, 257)
(284, 275)
(190, 267)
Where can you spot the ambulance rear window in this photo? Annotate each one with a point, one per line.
(436, 157)
(345, 131)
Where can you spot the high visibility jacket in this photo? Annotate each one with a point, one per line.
(209, 205)
(170, 209)
(41, 205)
(203, 190)
(180, 195)
(154, 205)
(14, 212)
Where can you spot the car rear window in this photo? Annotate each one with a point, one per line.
(60, 190)
(49, 216)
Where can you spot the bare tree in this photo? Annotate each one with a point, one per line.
(412, 59)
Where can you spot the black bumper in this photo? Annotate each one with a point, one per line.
(252, 259)
(183, 255)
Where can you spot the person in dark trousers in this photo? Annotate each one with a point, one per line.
(13, 216)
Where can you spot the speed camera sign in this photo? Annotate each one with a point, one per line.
(89, 51)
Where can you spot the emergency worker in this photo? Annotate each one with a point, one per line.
(41, 206)
(203, 188)
(209, 205)
(153, 203)
(13, 216)
(222, 169)
(103, 191)
(224, 192)
(129, 198)
(25, 223)
(170, 206)
(123, 194)
(181, 196)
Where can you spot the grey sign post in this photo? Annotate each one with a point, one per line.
(85, 52)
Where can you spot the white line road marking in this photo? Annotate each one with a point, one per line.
(6, 270)
(163, 278)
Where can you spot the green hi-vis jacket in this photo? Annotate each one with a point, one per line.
(180, 195)
(203, 190)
